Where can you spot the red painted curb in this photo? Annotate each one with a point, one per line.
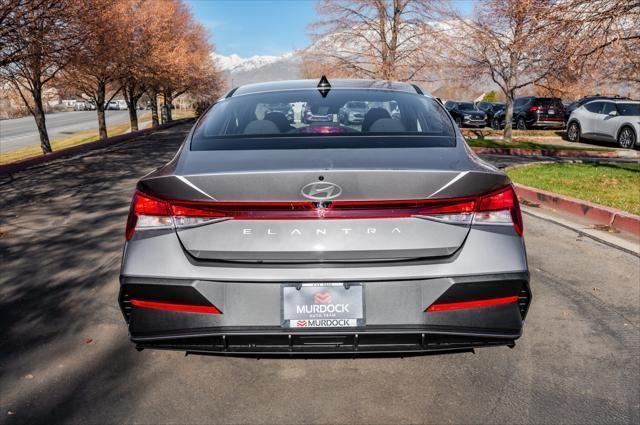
(547, 152)
(628, 223)
(598, 214)
(86, 147)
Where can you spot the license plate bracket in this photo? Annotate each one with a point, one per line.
(322, 305)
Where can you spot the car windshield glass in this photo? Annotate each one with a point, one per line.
(548, 101)
(498, 106)
(466, 105)
(309, 120)
(629, 109)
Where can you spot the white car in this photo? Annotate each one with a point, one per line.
(606, 120)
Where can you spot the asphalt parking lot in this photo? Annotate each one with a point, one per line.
(65, 355)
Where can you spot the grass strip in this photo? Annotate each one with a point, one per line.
(612, 185)
(528, 144)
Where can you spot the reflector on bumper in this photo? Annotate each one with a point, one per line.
(176, 307)
(471, 304)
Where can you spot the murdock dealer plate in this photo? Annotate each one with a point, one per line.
(322, 305)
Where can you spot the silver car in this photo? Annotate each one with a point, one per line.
(606, 120)
(386, 236)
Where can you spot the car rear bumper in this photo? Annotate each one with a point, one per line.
(395, 317)
(544, 123)
(474, 123)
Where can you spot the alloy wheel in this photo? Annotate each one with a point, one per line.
(626, 139)
(573, 134)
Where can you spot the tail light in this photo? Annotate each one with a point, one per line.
(535, 108)
(148, 212)
(500, 207)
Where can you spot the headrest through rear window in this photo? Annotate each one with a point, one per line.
(261, 127)
(387, 125)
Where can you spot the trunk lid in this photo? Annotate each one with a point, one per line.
(354, 220)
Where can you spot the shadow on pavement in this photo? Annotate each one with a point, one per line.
(60, 245)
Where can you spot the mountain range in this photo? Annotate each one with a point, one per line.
(255, 69)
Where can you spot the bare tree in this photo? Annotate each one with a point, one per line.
(47, 36)
(94, 69)
(386, 39)
(182, 58)
(605, 36)
(515, 43)
(11, 17)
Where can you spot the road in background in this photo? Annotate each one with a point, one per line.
(65, 356)
(21, 132)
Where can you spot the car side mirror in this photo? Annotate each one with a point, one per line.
(613, 113)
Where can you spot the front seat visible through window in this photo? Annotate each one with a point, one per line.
(373, 115)
(280, 120)
(387, 125)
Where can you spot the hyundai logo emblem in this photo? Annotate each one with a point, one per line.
(321, 191)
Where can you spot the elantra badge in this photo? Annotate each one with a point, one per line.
(321, 191)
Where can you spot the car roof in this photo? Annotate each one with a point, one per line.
(335, 84)
(612, 100)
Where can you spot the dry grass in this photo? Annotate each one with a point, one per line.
(80, 138)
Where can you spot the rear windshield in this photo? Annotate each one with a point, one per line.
(549, 101)
(629, 109)
(298, 119)
(466, 105)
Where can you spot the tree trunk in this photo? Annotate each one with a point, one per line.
(508, 117)
(154, 108)
(167, 104)
(38, 114)
(100, 98)
(385, 66)
(133, 114)
(129, 91)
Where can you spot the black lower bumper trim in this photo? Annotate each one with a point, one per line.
(317, 344)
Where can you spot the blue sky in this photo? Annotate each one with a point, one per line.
(261, 27)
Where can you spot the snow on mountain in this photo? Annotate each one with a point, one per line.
(235, 63)
(258, 68)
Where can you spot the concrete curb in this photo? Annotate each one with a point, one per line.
(598, 214)
(14, 167)
(550, 152)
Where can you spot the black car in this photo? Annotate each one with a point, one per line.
(465, 114)
(490, 108)
(533, 112)
(578, 103)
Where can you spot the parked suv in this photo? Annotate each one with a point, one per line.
(578, 103)
(606, 120)
(533, 112)
(490, 108)
(466, 114)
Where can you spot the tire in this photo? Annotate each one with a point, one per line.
(626, 138)
(520, 124)
(495, 124)
(458, 122)
(573, 132)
